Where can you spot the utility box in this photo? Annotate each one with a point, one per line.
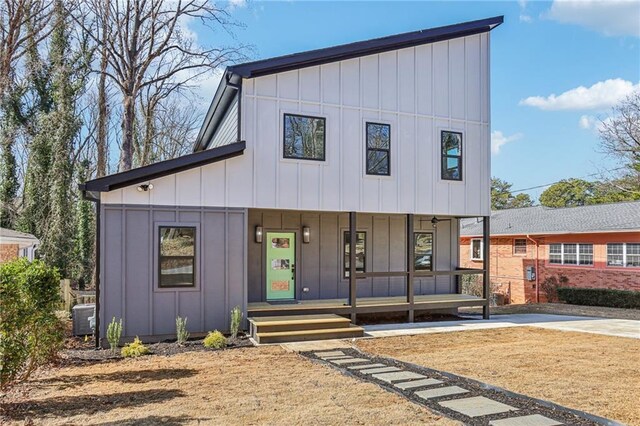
(531, 273)
(80, 315)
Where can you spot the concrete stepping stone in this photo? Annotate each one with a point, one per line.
(329, 358)
(417, 384)
(438, 392)
(329, 353)
(380, 370)
(477, 406)
(348, 361)
(398, 376)
(532, 420)
(364, 366)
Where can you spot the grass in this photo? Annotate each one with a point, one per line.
(594, 373)
(265, 385)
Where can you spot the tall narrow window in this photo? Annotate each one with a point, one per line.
(476, 249)
(451, 155)
(304, 137)
(520, 246)
(423, 251)
(177, 256)
(361, 257)
(633, 255)
(555, 253)
(378, 149)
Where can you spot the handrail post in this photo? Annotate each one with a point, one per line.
(352, 264)
(486, 276)
(410, 266)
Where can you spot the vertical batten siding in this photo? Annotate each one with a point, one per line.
(129, 270)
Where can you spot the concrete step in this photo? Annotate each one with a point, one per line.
(297, 323)
(305, 335)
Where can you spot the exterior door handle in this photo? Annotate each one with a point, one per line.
(293, 271)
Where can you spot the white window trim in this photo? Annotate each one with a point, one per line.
(624, 257)
(526, 247)
(481, 249)
(577, 255)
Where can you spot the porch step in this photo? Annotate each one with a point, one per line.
(305, 335)
(291, 328)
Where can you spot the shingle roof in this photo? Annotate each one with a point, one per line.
(570, 220)
(15, 235)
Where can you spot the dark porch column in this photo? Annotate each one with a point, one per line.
(410, 266)
(486, 276)
(352, 265)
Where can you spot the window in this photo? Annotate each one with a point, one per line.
(378, 149)
(304, 137)
(423, 251)
(571, 254)
(519, 246)
(623, 255)
(451, 155)
(476, 249)
(177, 256)
(361, 242)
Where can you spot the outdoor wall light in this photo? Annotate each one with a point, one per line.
(145, 187)
(259, 234)
(434, 222)
(306, 234)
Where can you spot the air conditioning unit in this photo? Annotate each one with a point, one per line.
(80, 315)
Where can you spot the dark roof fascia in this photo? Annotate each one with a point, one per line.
(163, 168)
(363, 48)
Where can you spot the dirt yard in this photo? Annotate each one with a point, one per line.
(593, 373)
(242, 386)
(560, 309)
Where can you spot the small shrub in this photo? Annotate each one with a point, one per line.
(550, 286)
(473, 286)
(114, 332)
(236, 319)
(134, 349)
(600, 297)
(182, 335)
(215, 340)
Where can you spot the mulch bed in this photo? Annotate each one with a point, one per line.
(525, 404)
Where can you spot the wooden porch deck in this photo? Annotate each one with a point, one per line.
(364, 305)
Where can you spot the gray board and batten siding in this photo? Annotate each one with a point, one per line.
(129, 247)
(319, 263)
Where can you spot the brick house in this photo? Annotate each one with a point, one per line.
(592, 246)
(14, 244)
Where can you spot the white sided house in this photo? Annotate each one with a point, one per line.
(324, 184)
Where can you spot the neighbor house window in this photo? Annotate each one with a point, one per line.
(623, 254)
(304, 137)
(451, 155)
(571, 254)
(519, 246)
(423, 251)
(361, 259)
(177, 256)
(476, 249)
(378, 149)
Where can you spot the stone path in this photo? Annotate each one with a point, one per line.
(459, 398)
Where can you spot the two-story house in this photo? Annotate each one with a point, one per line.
(328, 182)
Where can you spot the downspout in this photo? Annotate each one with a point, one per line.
(537, 274)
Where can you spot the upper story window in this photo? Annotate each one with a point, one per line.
(177, 256)
(423, 251)
(623, 255)
(519, 246)
(476, 249)
(304, 137)
(451, 155)
(378, 149)
(361, 252)
(571, 254)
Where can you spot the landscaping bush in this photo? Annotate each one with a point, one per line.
(236, 319)
(215, 340)
(30, 331)
(182, 335)
(134, 349)
(550, 286)
(600, 297)
(114, 331)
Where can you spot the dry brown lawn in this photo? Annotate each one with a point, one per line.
(244, 386)
(594, 373)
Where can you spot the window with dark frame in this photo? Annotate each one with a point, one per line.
(378, 149)
(451, 155)
(361, 252)
(571, 254)
(177, 256)
(423, 251)
(520, 246)
(304, 137)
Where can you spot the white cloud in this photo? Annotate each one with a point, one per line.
(603, 94)
(587, 121)
(525, 18)
(235, 4)
(610, 17)
(498, 140)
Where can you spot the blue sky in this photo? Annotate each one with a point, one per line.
(557, 67)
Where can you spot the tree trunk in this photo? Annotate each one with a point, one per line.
(128, 117)
(102, 103)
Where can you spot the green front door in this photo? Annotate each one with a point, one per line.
(281, 265)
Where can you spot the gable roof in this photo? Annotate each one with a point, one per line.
(540, 220)
(232, 79)
(9, 236)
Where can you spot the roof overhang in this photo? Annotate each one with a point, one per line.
(92, 188)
